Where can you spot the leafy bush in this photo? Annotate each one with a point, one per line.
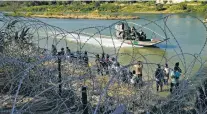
(88, 7)
(159, 7)
(16, 14)
(102, 7)
(150, 3)
(202, 8)
(180, 6)
(131, 8)
(191, 9)
(35, 9)
(203, 2)
(183, 6)
(109, 8)
(97, 4)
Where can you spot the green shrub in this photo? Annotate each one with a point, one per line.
(88, 7)
(201, 8)
(183, 6)
(130, 8)
(109, 8)
(159, 7)
(149, 3)
(16, 14)
(191, 9)
(203, 2)
(180, 6)
(97, 4)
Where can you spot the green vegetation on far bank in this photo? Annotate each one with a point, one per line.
(89, 9)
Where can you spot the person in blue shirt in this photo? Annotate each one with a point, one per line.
(175, 75)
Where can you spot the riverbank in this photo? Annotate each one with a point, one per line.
(100, 17)
(93, 15)
(97, 10)
(73, 15)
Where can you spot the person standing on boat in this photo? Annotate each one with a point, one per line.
(133, 33)
(141, 32)
(140, 35)
(138, 69)
(143, 36)
(120, 31)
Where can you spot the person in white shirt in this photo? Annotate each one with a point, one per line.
(166, 74)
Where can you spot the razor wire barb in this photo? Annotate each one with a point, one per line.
(30, 81)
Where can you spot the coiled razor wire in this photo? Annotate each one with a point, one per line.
(30, 79)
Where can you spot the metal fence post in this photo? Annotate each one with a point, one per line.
(59, 73)
(84, 100)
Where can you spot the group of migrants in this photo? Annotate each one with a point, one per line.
(106, 64)
(129, 33)
(162, 76)
(78, 57)
(110, 64)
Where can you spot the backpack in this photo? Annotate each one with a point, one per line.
(177, 75)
